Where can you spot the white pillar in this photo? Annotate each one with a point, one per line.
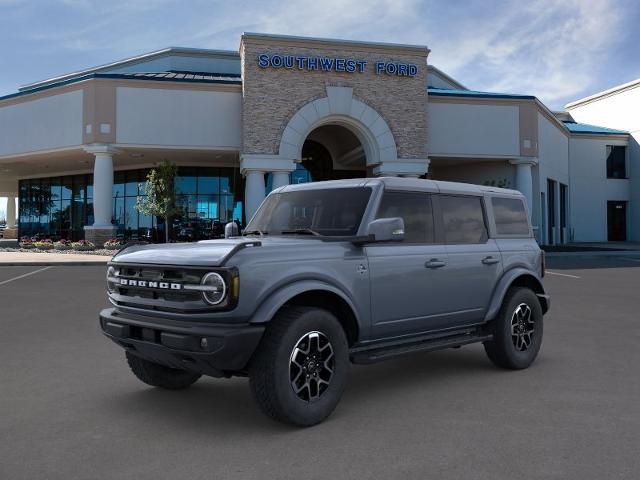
(102, 229)
(524, 179)
(103, 189)
(254, 192)
(280, 179)
(11, 212)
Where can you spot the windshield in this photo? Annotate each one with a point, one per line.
(327, 212)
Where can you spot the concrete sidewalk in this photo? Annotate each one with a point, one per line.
(44, 259)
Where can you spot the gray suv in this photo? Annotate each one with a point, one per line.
(330, 273)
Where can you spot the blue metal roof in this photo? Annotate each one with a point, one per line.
(447, 92)
(172, 76)
(586, 128)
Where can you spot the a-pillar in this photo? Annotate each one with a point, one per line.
(102, 228)
(524, 178)
(254, 167)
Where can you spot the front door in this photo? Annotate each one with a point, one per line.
(617, 221)
(408, 291)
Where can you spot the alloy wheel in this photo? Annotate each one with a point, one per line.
(311, 366)
(522, 327)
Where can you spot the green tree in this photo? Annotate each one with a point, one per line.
(160, 199)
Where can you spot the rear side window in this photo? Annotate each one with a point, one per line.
(463, 219)
(510, 216)
(414, 209)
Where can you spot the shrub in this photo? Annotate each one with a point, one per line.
(83, 246)
(26, 242)
(114, 244)
(43, 244)
(62, 245)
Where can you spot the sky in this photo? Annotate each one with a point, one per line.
(558, 50)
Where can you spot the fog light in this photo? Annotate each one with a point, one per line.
(204, 344)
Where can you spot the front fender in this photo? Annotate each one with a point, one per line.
(508, 278)
(278, 298)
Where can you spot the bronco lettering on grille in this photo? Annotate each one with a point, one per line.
(148, 284)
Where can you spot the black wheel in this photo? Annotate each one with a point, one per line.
(160, 376)
(298, 372)
(517, 330)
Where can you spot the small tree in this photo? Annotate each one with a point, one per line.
(160, 199)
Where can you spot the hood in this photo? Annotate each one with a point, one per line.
(210, 253)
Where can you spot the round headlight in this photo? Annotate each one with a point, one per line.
(111, 273)
(216, 288)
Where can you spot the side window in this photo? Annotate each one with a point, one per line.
(415, 209)
(510, 216)
(463, 219)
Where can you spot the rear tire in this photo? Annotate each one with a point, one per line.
(517, 330)
(160, 376)
(298, 372)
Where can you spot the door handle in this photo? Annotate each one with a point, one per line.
(434, 263)
(490, 260)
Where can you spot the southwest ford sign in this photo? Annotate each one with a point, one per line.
(341, 65)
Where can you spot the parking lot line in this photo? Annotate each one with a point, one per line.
(562, 274)
(25, 275)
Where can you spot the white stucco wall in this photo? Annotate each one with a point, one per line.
(553, 163)
(590, 189)
(465, 129)
(147, 116)
(621, 111)
(41, 124)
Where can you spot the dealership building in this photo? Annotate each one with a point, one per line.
(75, 149)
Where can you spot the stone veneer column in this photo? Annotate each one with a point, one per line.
(102, 228)
(524, 179)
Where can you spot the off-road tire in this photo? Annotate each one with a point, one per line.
(160, 376)
(502, 350)
(270, 368)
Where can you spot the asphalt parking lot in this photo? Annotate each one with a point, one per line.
(70, 409)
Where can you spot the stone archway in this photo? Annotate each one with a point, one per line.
(339, 107)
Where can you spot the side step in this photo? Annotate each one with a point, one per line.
(378, 353)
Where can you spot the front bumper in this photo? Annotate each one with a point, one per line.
(214, 350)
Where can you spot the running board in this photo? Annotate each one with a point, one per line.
(379, 353)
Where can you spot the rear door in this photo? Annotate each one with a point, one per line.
(474, 260)
(408, 294)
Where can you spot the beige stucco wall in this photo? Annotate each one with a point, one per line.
(272, 96)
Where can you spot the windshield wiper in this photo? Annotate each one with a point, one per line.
(254, 232)
(302, 231)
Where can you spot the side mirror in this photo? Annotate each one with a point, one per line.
(386, 229)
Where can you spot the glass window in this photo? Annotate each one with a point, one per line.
(463, 219)
(131, 183)
(414, 209)
(186, 181)
(118, 184)
(331, 212)
(67, 188)
(510, 216)
(208, 181)
(616, 161)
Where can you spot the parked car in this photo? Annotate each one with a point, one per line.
(330, 273)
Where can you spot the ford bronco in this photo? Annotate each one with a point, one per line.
(327, 274)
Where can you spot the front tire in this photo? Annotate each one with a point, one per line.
(517, 330)
(160, 376)
(298, 372)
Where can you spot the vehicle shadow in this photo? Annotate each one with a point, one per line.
(220, 406)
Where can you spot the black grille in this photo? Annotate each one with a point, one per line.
(158, 298)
